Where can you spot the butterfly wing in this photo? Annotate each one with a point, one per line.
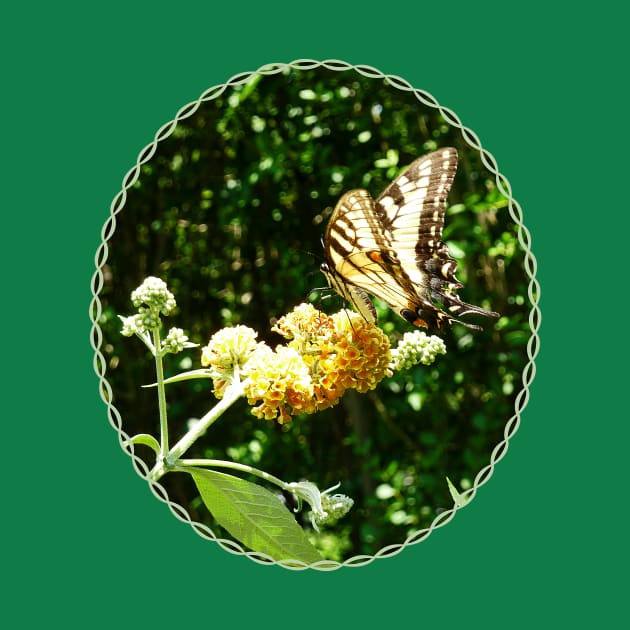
(411, 211)
(392, 247)
(353, 242)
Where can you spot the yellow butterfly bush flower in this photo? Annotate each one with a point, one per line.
(228, 351)
(324, 356)
(279, 384)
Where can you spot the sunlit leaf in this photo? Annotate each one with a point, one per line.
(254, 516)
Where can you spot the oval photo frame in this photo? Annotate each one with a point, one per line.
(229, 302)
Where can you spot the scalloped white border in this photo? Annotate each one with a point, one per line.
(96, 336)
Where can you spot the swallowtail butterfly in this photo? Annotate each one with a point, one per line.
(392, 247)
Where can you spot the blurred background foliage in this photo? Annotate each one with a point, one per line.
(230, 212)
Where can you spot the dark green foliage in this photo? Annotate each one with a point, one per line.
(230, 212)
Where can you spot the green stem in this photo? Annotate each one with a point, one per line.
(167, 457)
(159, 369)
(182, 464)
(232, 393)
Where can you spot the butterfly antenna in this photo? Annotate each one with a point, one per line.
(308, 252)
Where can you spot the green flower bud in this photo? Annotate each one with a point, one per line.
(416, 347)
(153, 296)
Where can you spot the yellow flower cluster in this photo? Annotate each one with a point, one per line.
(325, 356)
(227, 353)
(328, 355)
(279, 384)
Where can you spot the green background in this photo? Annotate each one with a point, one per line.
(85, 89)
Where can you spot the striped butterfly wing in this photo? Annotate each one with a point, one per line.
(392, 247)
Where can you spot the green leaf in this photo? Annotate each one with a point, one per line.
(254, 516)
(146, 439)
(458, 499)
(184, 376)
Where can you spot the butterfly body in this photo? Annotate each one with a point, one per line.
(391, 248)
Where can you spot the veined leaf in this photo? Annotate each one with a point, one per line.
(254, 516)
